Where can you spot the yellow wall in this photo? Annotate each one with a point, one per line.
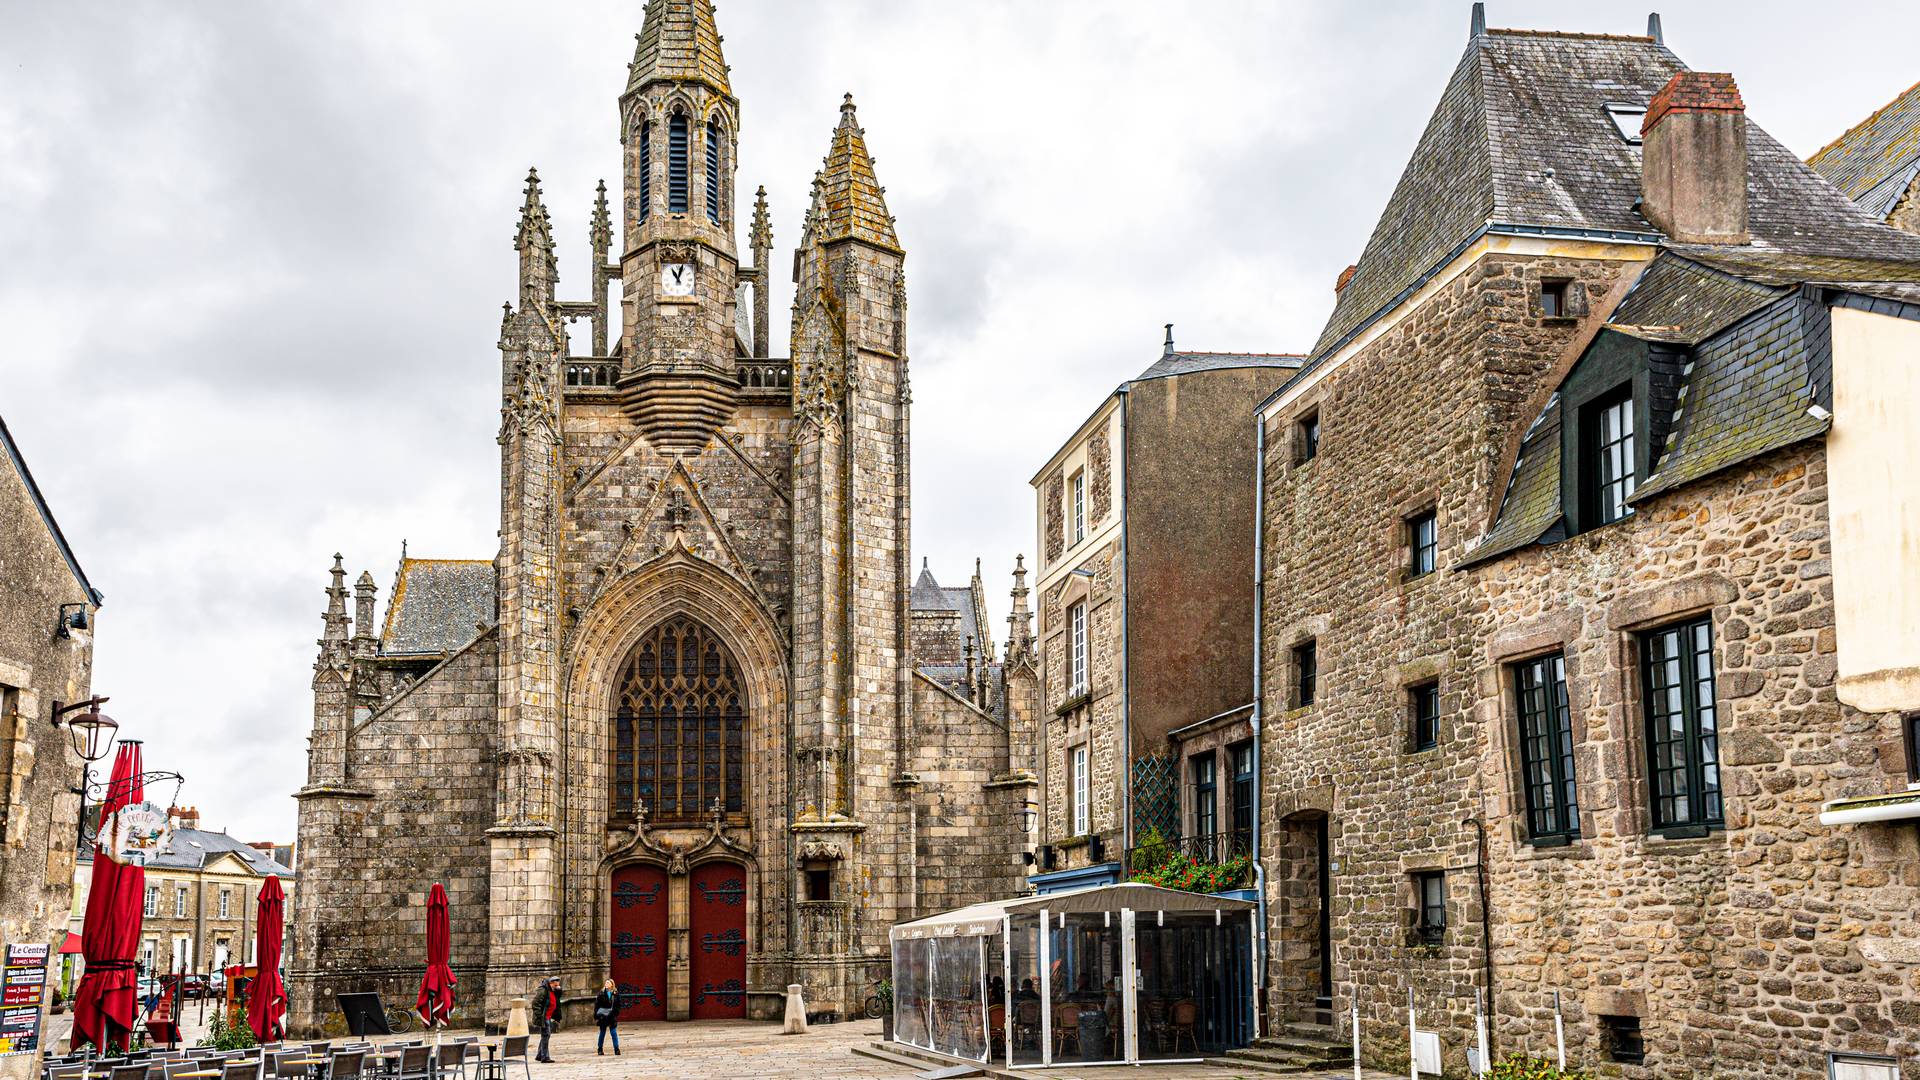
(1873, 479)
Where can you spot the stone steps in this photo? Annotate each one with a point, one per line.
(1295, 1048)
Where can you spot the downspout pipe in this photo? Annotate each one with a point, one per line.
(1259, 612)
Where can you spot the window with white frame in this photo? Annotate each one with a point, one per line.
(148, 950)
(180, 902)
(1079, 791)
(1077, 492)
(1862, 1067)
(151, 909)
(1077, 649)
(226, 903)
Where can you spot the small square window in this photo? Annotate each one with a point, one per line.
(1553, 300)
(1306, 673)
(1621, 1038)
(1307, 435)
(1626, 120)
(1423, 707)
(1862, 1067)
(819, 884)
(1430, 916)
(1423, 543)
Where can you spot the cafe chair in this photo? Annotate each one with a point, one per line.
(346, 1065)
(1026, 1023)
(1066, 1028)
(514, 1048)
(289, 1063)
(416, 1063)
(136, 1071)
(1186, 1017)
(239, 1070)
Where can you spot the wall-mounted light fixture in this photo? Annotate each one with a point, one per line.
(72, 617)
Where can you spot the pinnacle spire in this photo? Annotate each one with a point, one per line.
(600, 225)
(534, 240)
(535, 225)
(336, 616)
(760, 233)
(852, 203)
(680, 42)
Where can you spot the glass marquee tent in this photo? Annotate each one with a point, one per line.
(1111, 974)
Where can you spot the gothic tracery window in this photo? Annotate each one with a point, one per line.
(679, 727)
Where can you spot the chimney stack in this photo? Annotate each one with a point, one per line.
(1693, 155)
(1340, 283)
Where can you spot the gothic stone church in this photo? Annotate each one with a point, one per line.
(691, 728)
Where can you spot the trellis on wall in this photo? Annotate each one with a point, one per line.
(1156, 798)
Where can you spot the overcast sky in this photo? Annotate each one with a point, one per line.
(252, 257)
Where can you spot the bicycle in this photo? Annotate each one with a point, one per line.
(878, 1004)
(399, 1019)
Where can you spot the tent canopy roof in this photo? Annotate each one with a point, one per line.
(980, 919)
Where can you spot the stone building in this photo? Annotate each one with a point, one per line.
(673, 732)
(1144, 522)
(47, 613)
(203, 896)
(1876, 163)
(1587, 532)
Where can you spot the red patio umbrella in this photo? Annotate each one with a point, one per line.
(267, 998)
(436, 990)
(104, 1005)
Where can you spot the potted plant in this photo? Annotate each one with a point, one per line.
(884, 994)
(1521, 1067)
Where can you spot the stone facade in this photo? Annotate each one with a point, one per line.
(41, 585)
(514, 729)
(1737, 936)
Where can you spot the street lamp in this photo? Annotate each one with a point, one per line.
(92, 733)
(1029, 816)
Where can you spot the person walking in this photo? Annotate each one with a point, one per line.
(606, 1013)
(547, 1008)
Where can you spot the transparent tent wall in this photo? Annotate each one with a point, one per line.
(912, 1001)
(1024, 984)
(959, 1015)
(1195, 991)
(1087, 1004)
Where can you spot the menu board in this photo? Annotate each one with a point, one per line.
(23, 984)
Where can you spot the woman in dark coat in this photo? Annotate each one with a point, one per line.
(606, 1013)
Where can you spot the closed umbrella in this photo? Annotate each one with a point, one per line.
(267, 999)
(104, 1005)
(436, 990)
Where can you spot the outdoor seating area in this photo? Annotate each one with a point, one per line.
(463, 1058)
(1110, 974)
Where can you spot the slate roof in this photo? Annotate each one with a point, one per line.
(191, 849)
(954, 678)
(679, 40)
(929, 595)
(1681, 300)
(19, 461)
(850, 200)
(1186, 363)
(437, 606)
(1876, 161)
(1521, 141)
(1531, 505)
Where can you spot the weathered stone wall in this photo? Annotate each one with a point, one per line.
(414, 810)
(1415, 421)
(37, 761)
(1748, 953)
(1190, 539)
(966, 828)
(1094, 721)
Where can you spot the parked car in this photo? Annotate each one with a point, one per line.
(194, 986)
(148, 987)
(217, 983)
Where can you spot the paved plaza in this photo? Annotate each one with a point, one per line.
(713, 1050)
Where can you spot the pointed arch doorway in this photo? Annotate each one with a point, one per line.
(678, 763)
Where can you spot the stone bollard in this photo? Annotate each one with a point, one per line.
(796, 1012)
(517, 1012)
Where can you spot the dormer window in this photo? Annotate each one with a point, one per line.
(1609, 460)
(1626, 120)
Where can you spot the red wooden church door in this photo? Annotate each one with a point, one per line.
(639, 926)
(717, 894)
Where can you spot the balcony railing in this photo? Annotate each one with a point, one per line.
(822, 927)
(766, 380)
(1216, 849)
(592, 374)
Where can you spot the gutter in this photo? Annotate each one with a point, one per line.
(1259, 604)
(1126, 682)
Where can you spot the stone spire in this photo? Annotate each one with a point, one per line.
(679, 42)
(534, 240)
(363, 636)
(852, 203)
(1020, 621)
(600, 239)
(760, 239)
(333, 643)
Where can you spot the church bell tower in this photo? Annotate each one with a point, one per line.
(680, 124)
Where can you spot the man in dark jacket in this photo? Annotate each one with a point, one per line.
(546, 1011)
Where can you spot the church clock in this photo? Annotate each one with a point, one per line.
(676, 279)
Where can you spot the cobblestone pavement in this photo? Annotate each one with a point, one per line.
(726, 1050)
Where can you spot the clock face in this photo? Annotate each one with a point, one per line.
(676, 279)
